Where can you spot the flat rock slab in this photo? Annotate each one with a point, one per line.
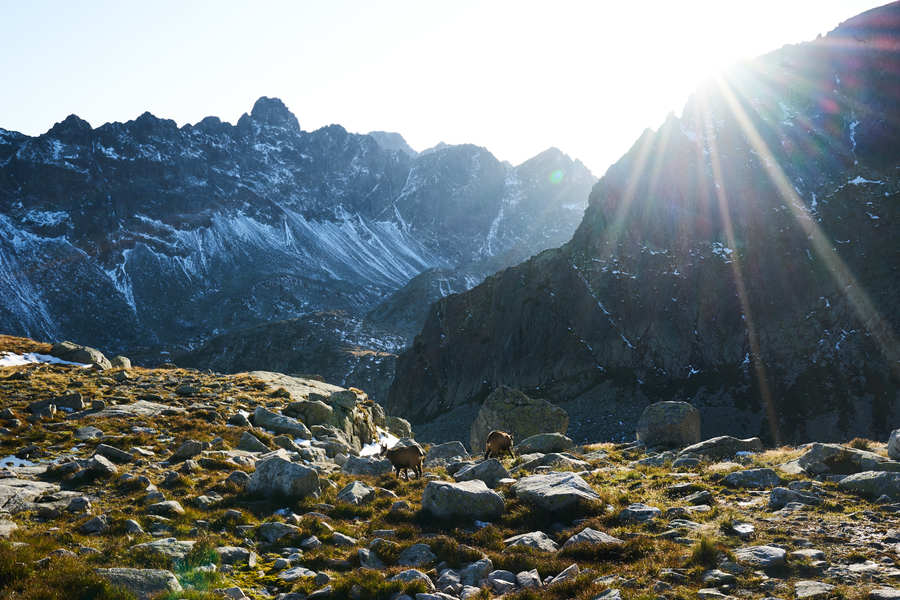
(296, 573)
(884, 593)
(763, 557)
(171, 548)
(16, 493)
(753, 478)
(7, 527)
(872, 484)
(724, 446)
(141, 408)
(812, 589)
(554, 491)
(843, 460)
(143, 583)
(298, 387)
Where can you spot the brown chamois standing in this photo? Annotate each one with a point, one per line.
(406, 457)
(497, 444)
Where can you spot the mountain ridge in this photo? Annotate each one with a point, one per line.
(145, 237)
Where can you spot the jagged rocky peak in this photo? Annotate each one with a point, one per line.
(390, 140)
(740, 258)
(72, 128)
(273, 112)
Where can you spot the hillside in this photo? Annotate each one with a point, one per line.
(152, 482)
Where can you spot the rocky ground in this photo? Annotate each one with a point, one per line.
(173, 483)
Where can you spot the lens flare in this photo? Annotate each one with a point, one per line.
(556, 176)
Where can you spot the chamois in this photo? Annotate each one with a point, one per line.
(406, 457)
(497, 444)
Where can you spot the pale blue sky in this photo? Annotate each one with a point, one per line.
(514, 76)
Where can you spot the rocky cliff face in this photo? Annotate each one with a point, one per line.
(743, 257)
(143, 236)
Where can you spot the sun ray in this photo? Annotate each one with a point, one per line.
(725, 214)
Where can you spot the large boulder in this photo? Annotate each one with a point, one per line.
(120, 362)
(893, 446)
(544, 443)
(311, 412)
(723, 446)
(670, 424)
(276, 475)
(512, 411)
(489, 471)
(399, 427)
(273, 421)
(470, 499)
(143, 583)
(442, 455)
(554, 491)
(841, 460)
(873, 484)
(352, 412)
(77, 353)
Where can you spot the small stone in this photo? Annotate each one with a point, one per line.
(811, 589)
(356, 493)
(417, 555)
(639, 513)
(84, 434)
(411, 575)
(95, 525)
(296, 573)
(169, 508)
(534, 539)
(340, 540)
(273, 531)
(763, 557)
(188, 449)
(753, 478)
(528, 579)
(250, 443)
(591, 536)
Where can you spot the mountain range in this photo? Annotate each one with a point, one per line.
(151, 239)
